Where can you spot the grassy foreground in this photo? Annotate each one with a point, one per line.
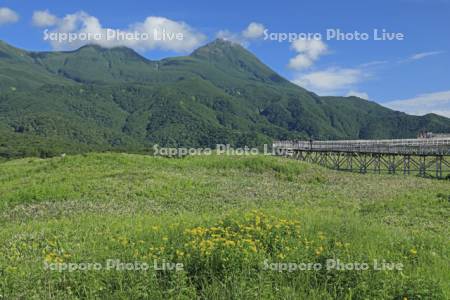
(238, 227)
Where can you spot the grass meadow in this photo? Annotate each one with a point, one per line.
(218, 227)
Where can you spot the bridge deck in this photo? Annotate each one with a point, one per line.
(431, 146)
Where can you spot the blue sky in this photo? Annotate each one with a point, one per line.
(411, 75)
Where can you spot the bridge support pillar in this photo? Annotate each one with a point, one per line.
(439, 167)
(406, 165)
(377, 163)
(422, 166)
(392, 164)
(363, 166)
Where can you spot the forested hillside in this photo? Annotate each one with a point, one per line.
(102, 99)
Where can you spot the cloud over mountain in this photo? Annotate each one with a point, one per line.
(253, 31)
(44, 18)
(7, 15)
(330, 81)
(309, 50)
(438, 103)
(153, 33)
(362, 95)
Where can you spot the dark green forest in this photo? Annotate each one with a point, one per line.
(97, 99)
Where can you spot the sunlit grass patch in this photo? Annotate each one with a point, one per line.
(227, 220)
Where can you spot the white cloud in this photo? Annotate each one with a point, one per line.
(191, 40)
(7, 15)
(44, 18)
(83, 23)
(374, 63)
(421, 55)
(313, 48)
(300, 62)
(254, 31)
(232, 37)
(362, 95)
(330, 81)
(308, 52)
(438, 103)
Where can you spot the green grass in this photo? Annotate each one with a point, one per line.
(222, 217)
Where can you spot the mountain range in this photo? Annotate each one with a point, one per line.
(95, 98)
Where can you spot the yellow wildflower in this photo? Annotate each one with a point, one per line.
(230, 243)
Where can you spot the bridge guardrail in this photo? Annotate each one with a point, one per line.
(439, 146)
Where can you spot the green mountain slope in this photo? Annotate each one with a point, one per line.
(18, 70)
(95, 64)
(95, 98)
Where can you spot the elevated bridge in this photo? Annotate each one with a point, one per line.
(427, 157)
